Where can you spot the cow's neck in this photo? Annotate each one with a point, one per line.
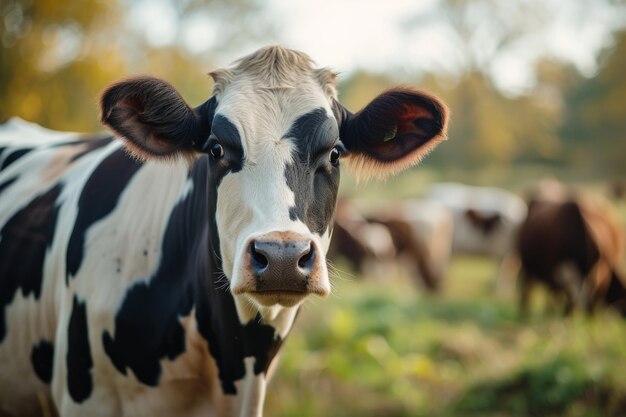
(235, 334)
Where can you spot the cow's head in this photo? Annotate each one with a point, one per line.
(274, 134)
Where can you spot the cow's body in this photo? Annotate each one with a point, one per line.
(96, 198)
(132, 286)
(485, 218)
(574, 246)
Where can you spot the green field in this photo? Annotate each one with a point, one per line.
(385, 348)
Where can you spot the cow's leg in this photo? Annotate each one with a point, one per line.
(554, 299)
(569, 279)
(596, 285)
(508, 268)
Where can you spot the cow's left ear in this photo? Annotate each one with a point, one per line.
(154, 120)
(393, 132)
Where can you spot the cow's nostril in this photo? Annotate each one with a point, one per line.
(307, 259)
(259, 261)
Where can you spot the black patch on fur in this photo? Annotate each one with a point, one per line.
(42, 358)
(147, 325)
(25, 238)
(97, 200)
(12, 157)
(312, 178)
(229, 341)
(314, 133)
(79, 361)
(261, 343)
(228, 136)
(486, 223)
(7, 183)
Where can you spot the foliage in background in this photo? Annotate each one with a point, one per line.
(566, 119)
(595, 119)
(57, 56)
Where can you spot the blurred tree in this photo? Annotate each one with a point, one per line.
(489, 128)
(595, 119)
(483, 29)
(54, 59)
(361, 87)
(57, 56)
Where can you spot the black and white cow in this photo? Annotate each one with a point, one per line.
(159, 274)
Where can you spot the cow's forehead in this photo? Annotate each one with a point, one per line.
(264, 117)
(275, 67)
(264, 93)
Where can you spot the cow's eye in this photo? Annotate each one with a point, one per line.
(216, 150)
(334, 155)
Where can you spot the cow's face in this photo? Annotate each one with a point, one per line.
(274, 134)
(275, 153)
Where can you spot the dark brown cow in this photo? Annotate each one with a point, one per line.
(572, 245)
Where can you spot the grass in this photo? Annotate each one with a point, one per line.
(384, 348)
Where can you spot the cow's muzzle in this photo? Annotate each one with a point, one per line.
(282, 268)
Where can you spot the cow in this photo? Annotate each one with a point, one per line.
(422, 234)
(362, 243)
(158, 271)
(573, 245)
(486, 220)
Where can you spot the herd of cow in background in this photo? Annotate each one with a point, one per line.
(570, 242)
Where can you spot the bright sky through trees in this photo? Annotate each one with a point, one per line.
(409, 35)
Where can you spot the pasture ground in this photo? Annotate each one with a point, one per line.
(385, 348)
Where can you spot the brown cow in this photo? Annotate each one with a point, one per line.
(572, 245)
(422, 234)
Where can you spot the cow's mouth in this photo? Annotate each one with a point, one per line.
(285, 298)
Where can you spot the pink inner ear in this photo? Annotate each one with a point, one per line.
(410, 113)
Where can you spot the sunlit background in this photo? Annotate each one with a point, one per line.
(536, 88)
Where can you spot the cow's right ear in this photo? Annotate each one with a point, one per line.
(154, 120)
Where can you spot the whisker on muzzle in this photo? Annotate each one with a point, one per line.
(221, 282)
(336, 273)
